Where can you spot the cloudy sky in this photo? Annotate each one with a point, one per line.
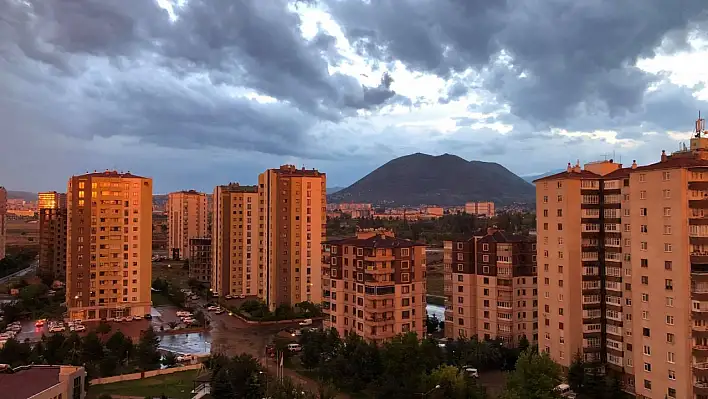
(196, 93)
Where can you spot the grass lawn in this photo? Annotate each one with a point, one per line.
(176, 385)
(159, 300)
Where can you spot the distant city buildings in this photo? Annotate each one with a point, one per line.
(43, 382)
(200, 259)
(491, 287)
(374, 285)
(623, 274)
(485, 209)
(3, 227)
(109, 233)
(187, 213)
(52, 234)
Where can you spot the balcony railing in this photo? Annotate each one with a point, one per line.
(701, 366)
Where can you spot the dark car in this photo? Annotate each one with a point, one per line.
(148, 317)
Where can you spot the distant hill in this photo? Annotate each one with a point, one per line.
(22, 195)
(446, 180)
(332, 190)
(531, 178)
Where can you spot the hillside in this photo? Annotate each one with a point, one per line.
(446, 180)
(22, 195)
(531, 178)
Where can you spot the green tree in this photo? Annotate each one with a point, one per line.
(432, 323)
(576, 373)
(221, 385)
(169, 360)
(148, 357)
(119, 346)
(535, 377)
(103, 328)
(91, 349)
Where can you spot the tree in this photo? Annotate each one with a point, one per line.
(148, 357)
(432, 323)
(91, 349)
(576, 373)
(119, 346)
(535, 377)
(103, 328)
(169, 360)
(221, 385)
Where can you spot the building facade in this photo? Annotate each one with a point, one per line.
(3, 214)
(374, 285)
(485, 209)
(187, 213)
(294, 213)
(624, 280)
(491, 287)
(109, 232)
(237, 241)
(200, 259)
(52, 234)
(43, 382)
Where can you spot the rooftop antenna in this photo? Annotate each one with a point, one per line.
(700, 125)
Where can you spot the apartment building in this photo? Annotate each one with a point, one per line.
(3, 213)
(237, 241)
(200, 259)
(109, 270)
(43, 382)
(374, 285)
(624, 280)
(491, 287)
(187, 213)
(52, 233)
(294, 210)
(485, 209)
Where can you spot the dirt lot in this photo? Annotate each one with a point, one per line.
(435, 278)
(172, 271)
(22, 233)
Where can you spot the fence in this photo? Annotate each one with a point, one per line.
(145, 374)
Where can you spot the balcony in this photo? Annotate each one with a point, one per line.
(379, 258)
(703, 328)
(589, 256)
(701, 366)
(699, 257)
(701, 308)
(699, 289)
(379, 321)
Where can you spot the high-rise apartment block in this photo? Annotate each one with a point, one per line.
(623, 270)
(109, 270)
(237, 241)
(480, 208)
(187, 213)
(294, 212)
(200, 259)
(52, 234)
(491, 287)
(3, 213)
(374, 285)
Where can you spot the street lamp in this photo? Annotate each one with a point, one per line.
(423, 395)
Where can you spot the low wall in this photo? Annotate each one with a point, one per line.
(273, 322)
(182, 331)
(146, 374)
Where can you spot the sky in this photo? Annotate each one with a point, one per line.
(196, 93)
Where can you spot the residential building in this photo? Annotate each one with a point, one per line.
(237, 241)
(187, 213)
(292, 204)
(491, 287)
(109, 231)
(485, 209)
(3, 213)
(43, 382)
(52, 234)
(624, 280)
(200, 259)
(374, 285)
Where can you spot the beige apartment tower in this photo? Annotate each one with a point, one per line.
(187, 219)
(3, 213)
(109, 270)
(485, 209)
(491, 287)
(52, 234)
(237, 241)
(374, 285)
(292, 205)
(624, 279)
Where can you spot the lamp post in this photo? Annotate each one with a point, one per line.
(425, 394)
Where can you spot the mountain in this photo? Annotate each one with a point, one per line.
(22, 195)
(446, 180)
(332, 190)
(531, 178)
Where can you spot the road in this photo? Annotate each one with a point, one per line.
(30, 269)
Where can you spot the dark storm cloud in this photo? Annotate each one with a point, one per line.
(554, 55)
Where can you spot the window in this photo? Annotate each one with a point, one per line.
(670, 357)
(670, 320)
(560, 226)
(647, 333)
(642, 211)
(643, 228)
(672, 375)
(667, 229)
(647, 350)
(669, 284)
(667, 211)
(647, 385)
(645, 280)
(645, 297)
(667, 247)
(643, 246)
(642, 177)
(647, 367)
(666, 176)
(670, 301)
(667, 265)
(670, 338)
(642, 194)
(644, 262)
(666, 193)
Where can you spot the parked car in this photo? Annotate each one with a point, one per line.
(183, 313)
(78, 328)
(294, 347)
(229, 297)
(185, 358)
(220, 311)
(39, 323)
(242, 296)
(56, 329)
(137, 317)
(471, 372)
(129, 318)
(306, 322)
(213, 308)
(148, 317)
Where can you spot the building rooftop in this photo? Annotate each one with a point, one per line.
(376, 241)
(25, 382)
(190, 192)
(504, 237)
(292, 170)
(111, 173)
(237, 188)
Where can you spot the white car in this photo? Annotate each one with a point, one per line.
(229, 297)
(55, 329)
(119, 319)
(212, 308)
(306, 322)
(183, 313)
(129, 318)
(220, 311)
(185, 358)
(294, 347)
(188, 320)
(242, 296)
(138, 317)
(77, 328)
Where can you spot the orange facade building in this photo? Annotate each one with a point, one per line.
(109, 270)
(374, 285)
(623, 270)
(187, 213)
(3, 213)
(293, 210)
(237, 241)
(52, 234)
(491, 287)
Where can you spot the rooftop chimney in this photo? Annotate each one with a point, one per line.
(663, 156)
(570, 168)
(634, 164)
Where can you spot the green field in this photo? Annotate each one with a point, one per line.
(176, 385)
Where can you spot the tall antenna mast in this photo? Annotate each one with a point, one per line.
(700, 125)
